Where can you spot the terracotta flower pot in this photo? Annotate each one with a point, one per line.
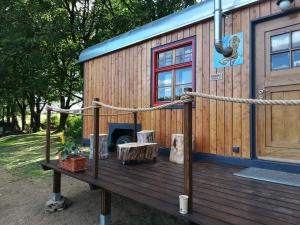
(73, 164)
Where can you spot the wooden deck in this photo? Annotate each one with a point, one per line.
(219, 196)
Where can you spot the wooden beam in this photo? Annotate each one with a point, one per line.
(135, 127)
(105, 202)
(96, 140)
(56, 182)
(187, 132)
(48, 130)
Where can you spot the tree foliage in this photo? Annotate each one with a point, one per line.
(40, 41)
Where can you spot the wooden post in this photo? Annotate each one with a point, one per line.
(105, 207)
(188, 169)
(56, 182)
(48, 130)
(135, 127)
(96, 140)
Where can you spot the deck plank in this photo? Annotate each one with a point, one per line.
(219, 197)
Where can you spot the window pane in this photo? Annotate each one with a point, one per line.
(296, 39)
(280, 42)
(184, 75)
(281, 61)
(184, 54)
(165, 59)
(180, 90)
(164, 79)
(296, 58)
(164, 94)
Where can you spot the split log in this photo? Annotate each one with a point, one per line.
(103, 146)
(137, 151)
(177, 148)
(145, 136)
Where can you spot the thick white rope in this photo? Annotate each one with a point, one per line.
(184, 99)
(245, 101)
(69, 111)
(142, 109)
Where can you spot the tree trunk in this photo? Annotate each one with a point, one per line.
(37, 122)
(64, 104)
(177, 148)
(22, 106)
(103, 146)
(63, 121)
(14, 119)
(137, 151)
(23, 119)
(8, 115)
(35, 113)
(3, 113)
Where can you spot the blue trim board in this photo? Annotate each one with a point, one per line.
(287, 167)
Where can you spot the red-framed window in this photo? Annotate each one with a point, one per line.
(173, 70)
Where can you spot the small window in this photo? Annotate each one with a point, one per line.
(165, 59)
(296, 39)
(280, 42)
(296, 58)
(173, 71)
(183, 80)
(184, 54)
(164, 86)
(281, 61)
(285, 51)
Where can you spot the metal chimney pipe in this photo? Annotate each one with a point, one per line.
(226, 52)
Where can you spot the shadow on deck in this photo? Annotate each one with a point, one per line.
(219, 196)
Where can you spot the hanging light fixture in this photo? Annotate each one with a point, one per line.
(284, 4)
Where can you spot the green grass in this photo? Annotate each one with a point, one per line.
(20, 154)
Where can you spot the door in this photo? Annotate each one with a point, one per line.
(277, 71)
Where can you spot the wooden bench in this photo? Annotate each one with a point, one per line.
(137, 152)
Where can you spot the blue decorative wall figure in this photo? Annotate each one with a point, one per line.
(236, 42)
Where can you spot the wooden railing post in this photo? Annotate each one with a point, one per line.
(135, 126)
(188, 169)
(96, 140)
(105, 214)
(48, 131)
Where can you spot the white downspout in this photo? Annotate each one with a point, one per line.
(226, 52)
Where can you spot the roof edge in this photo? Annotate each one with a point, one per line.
(175, 21)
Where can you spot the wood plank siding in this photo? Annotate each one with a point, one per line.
(123, 78)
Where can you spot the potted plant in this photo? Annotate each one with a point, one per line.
(71, 158)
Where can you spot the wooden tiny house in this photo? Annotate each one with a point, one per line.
(152, 64)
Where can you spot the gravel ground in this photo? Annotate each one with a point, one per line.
(22, 202)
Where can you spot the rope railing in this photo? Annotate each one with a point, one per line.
(69, 111)
(80, 111)
(177, 102)
(183, 100)
(245, 100)
(110, 114)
